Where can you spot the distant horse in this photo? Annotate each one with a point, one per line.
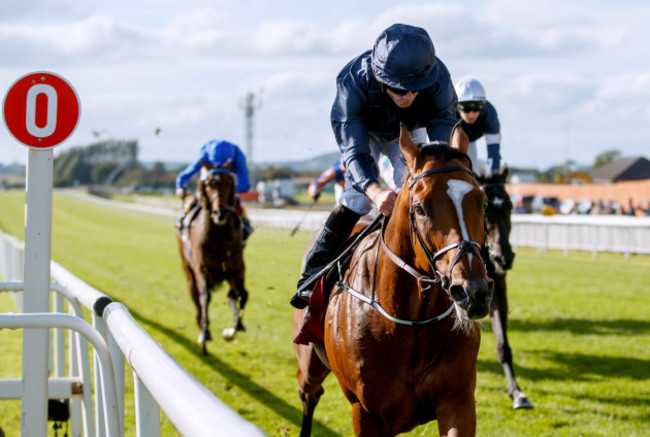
(212, 251)
(499, 261)
(398, 330)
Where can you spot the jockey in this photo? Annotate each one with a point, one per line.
(336, 173)
(479, 118)
(212, 154)
(399, 81)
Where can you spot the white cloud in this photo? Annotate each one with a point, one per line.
(185, 65)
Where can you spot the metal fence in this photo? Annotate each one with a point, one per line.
(599, 233)
(160, 383)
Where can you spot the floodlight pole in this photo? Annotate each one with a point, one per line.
(251, 103)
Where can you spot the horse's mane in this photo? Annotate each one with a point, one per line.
(443, 151)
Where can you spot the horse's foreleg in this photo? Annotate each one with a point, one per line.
(242, 298)
(499, 320)
(457, 417)
(237, 297)
(364, 423)
(243, 293)
(203, 320)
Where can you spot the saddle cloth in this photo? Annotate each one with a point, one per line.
(312, 325)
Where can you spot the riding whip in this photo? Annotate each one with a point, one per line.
(295, 229)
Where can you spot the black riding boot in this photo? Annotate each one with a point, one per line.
(329, 243)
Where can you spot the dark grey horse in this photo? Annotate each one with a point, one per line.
(499, 261)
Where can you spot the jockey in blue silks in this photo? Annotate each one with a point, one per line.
(334, 173)
(213, 154)
(479, 118)
(399, 81)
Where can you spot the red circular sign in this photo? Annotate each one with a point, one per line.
(41, 109)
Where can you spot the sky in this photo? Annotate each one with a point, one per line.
(570, 79)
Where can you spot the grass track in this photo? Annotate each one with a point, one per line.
(579, 329)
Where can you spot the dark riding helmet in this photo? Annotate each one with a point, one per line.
(404, 58)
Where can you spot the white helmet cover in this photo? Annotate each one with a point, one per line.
(470, 90)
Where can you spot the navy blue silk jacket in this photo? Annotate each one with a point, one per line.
(362, 107)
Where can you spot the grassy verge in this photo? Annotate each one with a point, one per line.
(578, 328)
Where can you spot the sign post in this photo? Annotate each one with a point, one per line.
(40, 110)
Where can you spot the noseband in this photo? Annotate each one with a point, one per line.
(440, 280)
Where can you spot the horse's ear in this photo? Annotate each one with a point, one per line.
(228, 164)
(459, 139)
(409, 149)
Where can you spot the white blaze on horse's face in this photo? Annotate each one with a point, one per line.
(457, 190)
(497, 201)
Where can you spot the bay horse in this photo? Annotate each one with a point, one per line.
(212, 251)
(499, 261)
(399, 330)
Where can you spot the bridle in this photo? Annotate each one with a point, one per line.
(499, 223)
(424, 282)
(464, 246)
(229, 208)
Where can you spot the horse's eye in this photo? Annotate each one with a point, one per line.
(418, 209)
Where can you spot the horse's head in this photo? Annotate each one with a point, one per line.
(217, 193)
(445, 211)
(497, 219)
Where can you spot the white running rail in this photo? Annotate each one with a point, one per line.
(159, 381)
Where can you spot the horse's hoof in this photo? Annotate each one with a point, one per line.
(521, 402)
(204, 337)
(228, 334)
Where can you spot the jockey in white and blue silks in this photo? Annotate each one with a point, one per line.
(213, 154)
(479, 118)
(399, 81)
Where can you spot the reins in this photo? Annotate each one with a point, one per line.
(376, 305)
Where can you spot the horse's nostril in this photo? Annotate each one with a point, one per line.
(481, 290)
(459, 295)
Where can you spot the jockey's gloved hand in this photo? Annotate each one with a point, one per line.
(313, 192)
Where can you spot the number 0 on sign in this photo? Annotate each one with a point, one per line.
(41, 109)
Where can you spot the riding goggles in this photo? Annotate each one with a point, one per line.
(470, 106)
(400, 92)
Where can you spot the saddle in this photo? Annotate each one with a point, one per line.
(183, 223)
(312, 325)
